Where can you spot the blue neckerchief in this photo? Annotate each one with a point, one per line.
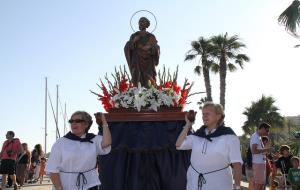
(88, 137)
(221, 130)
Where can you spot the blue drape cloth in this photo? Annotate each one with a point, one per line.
(144, 157)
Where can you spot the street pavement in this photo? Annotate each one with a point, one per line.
(47, 185)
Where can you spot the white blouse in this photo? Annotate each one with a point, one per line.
(208, 156)
(69, 157)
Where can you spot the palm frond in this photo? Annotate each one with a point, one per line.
(196, 46)
(290, 17)
(231, 67)
(197, 69)
(215, 68)
(190, 57)
(243, 57)
(230, 54)
(240, 63)
(240, 59)
(208, 63)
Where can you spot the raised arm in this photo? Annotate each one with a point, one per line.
(183, 134)
(189, 118)
(106, 140)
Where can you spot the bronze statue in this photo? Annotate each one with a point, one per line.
(142, 55)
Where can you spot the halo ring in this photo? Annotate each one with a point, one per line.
(146, 12)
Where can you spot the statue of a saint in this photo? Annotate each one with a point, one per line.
(142, 55)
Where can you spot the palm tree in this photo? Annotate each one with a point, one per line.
(202, 48)
(262, 110)
(226, 51)
(290, 17)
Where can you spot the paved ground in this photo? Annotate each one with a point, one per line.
(48, 186)
(35, 187)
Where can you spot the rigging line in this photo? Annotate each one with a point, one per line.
(55, 119)
(64, 114)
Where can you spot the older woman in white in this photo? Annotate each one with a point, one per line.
(72, 161)
(215, 148)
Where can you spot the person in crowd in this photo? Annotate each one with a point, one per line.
(274, 156)
(42, 169)
(36, 156)
(30, 173)
(215, 150)
(294, 174)
(284, 161)
(9, 182)
(259, 152)
(23, 163)
(10, 149)
(283, 164)
(72, 161)
(266, 143)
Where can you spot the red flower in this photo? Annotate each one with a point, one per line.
(160, 87)
(184, 95)
(124, 85)
(168, 84)
(105, 98)
(176, 88)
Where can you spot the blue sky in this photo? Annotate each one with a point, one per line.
(74, 43)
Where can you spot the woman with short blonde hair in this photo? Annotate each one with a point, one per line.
(215, 148)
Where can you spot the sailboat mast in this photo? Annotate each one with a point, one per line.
(46, 93)
(65, 117)
(57, 113)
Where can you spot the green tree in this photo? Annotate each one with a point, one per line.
(290, 17)
(202, 49)
(262, 110)
(226, 49)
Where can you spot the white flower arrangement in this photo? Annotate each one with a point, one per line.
(123, 94)
(140, 97)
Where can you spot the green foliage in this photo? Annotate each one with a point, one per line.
(244, 143)
(202, 48)
(290, 18)
(226, 51)
(218, 54)
(262, 110)
(165, 75)
(228, 48)
(201, 102)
